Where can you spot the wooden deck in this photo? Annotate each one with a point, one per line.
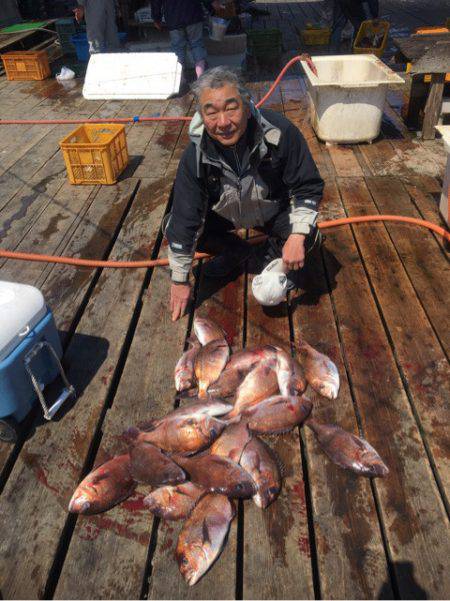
(376, 302)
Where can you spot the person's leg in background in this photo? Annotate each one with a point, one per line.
(95, 17)
(111, 34)
(178, 41)
(374, 8)
(356, 14)
(339, 22)
(195, 40)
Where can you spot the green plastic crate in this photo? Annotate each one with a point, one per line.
(66, 28)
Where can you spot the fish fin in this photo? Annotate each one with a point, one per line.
(205, 532)
(279, 462)
(147, 425)
(232, 420)
(189, 393)
(191, 340)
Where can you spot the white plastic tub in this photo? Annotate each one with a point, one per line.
(348, 95)
(444, 204)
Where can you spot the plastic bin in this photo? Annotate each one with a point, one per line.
(66, 28)
(444, 204)
(30, 350)
(314, 35)
(81, 44)
(347, 97)
(217, 28)
(372, 37)
(264, 44)
(95, 153)
(26, 65)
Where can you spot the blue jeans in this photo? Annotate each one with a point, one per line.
(191, 35)
(101, 26)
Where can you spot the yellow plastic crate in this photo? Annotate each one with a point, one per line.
(26, 65)
(95, 153)
(315, 35)
(369, 29)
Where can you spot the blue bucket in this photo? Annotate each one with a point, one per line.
(81, 44)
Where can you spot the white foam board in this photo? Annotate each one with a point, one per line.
(123, 75)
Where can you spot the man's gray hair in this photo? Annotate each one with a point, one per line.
(217, 78)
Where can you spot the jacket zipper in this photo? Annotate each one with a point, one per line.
(239, 170)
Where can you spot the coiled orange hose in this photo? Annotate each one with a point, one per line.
(6, 254)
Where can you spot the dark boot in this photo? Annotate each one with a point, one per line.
(231, 252)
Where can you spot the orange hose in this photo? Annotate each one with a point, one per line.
(6, 254)
(142, 119)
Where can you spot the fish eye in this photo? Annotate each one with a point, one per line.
(239, 486)
(184, 560)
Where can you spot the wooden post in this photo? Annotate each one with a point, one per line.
(433, 106)
(416, 102)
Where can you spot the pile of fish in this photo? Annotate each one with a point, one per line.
(208, 451)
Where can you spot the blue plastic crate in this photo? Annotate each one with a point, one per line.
(81, 44)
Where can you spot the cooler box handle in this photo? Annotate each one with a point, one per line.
(66, 392)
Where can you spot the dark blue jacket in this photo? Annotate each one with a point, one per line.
(177, 13)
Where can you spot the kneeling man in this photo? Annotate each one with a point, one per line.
(244, 168)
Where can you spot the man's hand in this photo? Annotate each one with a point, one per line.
(79, 13)
(179, 298)
(158, 25)
(294, 251)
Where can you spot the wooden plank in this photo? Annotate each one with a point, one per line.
(22, 172)
(359, 569)
(122, 535)
(222, 302)
(435, 60)
(33, 505)
(159, 153)
(412, 512)
(344, 161)
(422, 362)
(277, 555)
(54, 224)
(416, 46)
(29, 210)
(64, 286)
(415, 159)
(424, 262)
(380, 157)
(425, 194)
(433, 105)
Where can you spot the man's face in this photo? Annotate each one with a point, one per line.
(224, 114)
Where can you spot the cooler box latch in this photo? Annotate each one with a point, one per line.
(66, 392)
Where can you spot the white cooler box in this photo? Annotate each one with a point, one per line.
(30, 352)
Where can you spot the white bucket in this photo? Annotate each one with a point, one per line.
(217, 28)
